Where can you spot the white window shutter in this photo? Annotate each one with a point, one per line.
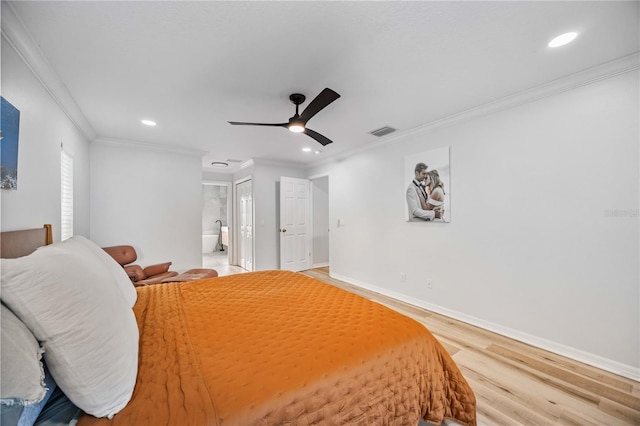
(66, 228)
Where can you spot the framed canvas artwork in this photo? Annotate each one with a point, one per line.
(9, 130)
(428, 190)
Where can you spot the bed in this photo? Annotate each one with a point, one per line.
(277, 347)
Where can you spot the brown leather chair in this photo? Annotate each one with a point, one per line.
(152, 274)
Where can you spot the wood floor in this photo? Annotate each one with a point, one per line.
(516, 383)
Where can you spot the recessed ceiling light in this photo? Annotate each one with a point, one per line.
(149, 122)
(563, 39)
(306, 149)
(219, 164)
(318, 151)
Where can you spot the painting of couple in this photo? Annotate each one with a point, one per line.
(427, 195)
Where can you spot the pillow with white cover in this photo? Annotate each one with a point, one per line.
(29, 414)
(21, 367)
(119, 275)
(70, 302)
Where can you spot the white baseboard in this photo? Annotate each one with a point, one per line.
(557, 348)
(320, 265)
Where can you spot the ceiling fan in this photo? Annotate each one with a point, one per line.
(298, 123)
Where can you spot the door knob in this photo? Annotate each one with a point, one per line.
(283, 230)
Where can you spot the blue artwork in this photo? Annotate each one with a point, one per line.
(9, 130)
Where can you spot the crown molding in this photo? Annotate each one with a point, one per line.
(18, 36)
(246, 164)
(591, 75)
(278, 163)
(149, 146)
(554, 87)
(255, 162)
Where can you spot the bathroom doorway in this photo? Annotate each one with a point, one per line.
(215, 225)
(320, 213)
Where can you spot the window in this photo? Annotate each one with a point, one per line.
(66, 203)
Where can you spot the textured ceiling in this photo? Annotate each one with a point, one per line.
(192, 66)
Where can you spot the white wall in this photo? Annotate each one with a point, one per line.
(265, 176)
(43, 127)
(266, 202)
(217, 177)
(543, 240)
(150, 199)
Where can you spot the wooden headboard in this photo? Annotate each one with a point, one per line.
(21, 243)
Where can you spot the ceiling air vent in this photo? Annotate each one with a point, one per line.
(383, 131)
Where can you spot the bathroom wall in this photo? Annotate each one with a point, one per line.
(214, 207)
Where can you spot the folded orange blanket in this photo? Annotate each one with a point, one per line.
(276, 347)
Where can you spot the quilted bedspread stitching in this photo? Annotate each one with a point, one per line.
(276, 347)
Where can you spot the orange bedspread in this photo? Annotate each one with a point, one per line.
(275, 348)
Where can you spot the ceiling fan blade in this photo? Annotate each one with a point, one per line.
(317, 136)
(320, 102)
(240, 123)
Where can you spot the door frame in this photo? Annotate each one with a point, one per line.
(311, 179)
(313, 220)
(235, 231)
(308, 225)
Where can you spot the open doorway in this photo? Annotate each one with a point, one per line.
(215, 225)
(320, 211)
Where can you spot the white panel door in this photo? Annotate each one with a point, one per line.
(295, 224)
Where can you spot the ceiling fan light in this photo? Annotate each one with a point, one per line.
(296, 127)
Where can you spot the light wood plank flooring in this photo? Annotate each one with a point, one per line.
(516, 383)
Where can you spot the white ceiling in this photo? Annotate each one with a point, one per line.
(192, 66)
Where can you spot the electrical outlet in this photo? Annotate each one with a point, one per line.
(429, 285)
(403, 277)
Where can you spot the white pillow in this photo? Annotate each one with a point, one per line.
(67, 298)
(21, 369)
(115, 269)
